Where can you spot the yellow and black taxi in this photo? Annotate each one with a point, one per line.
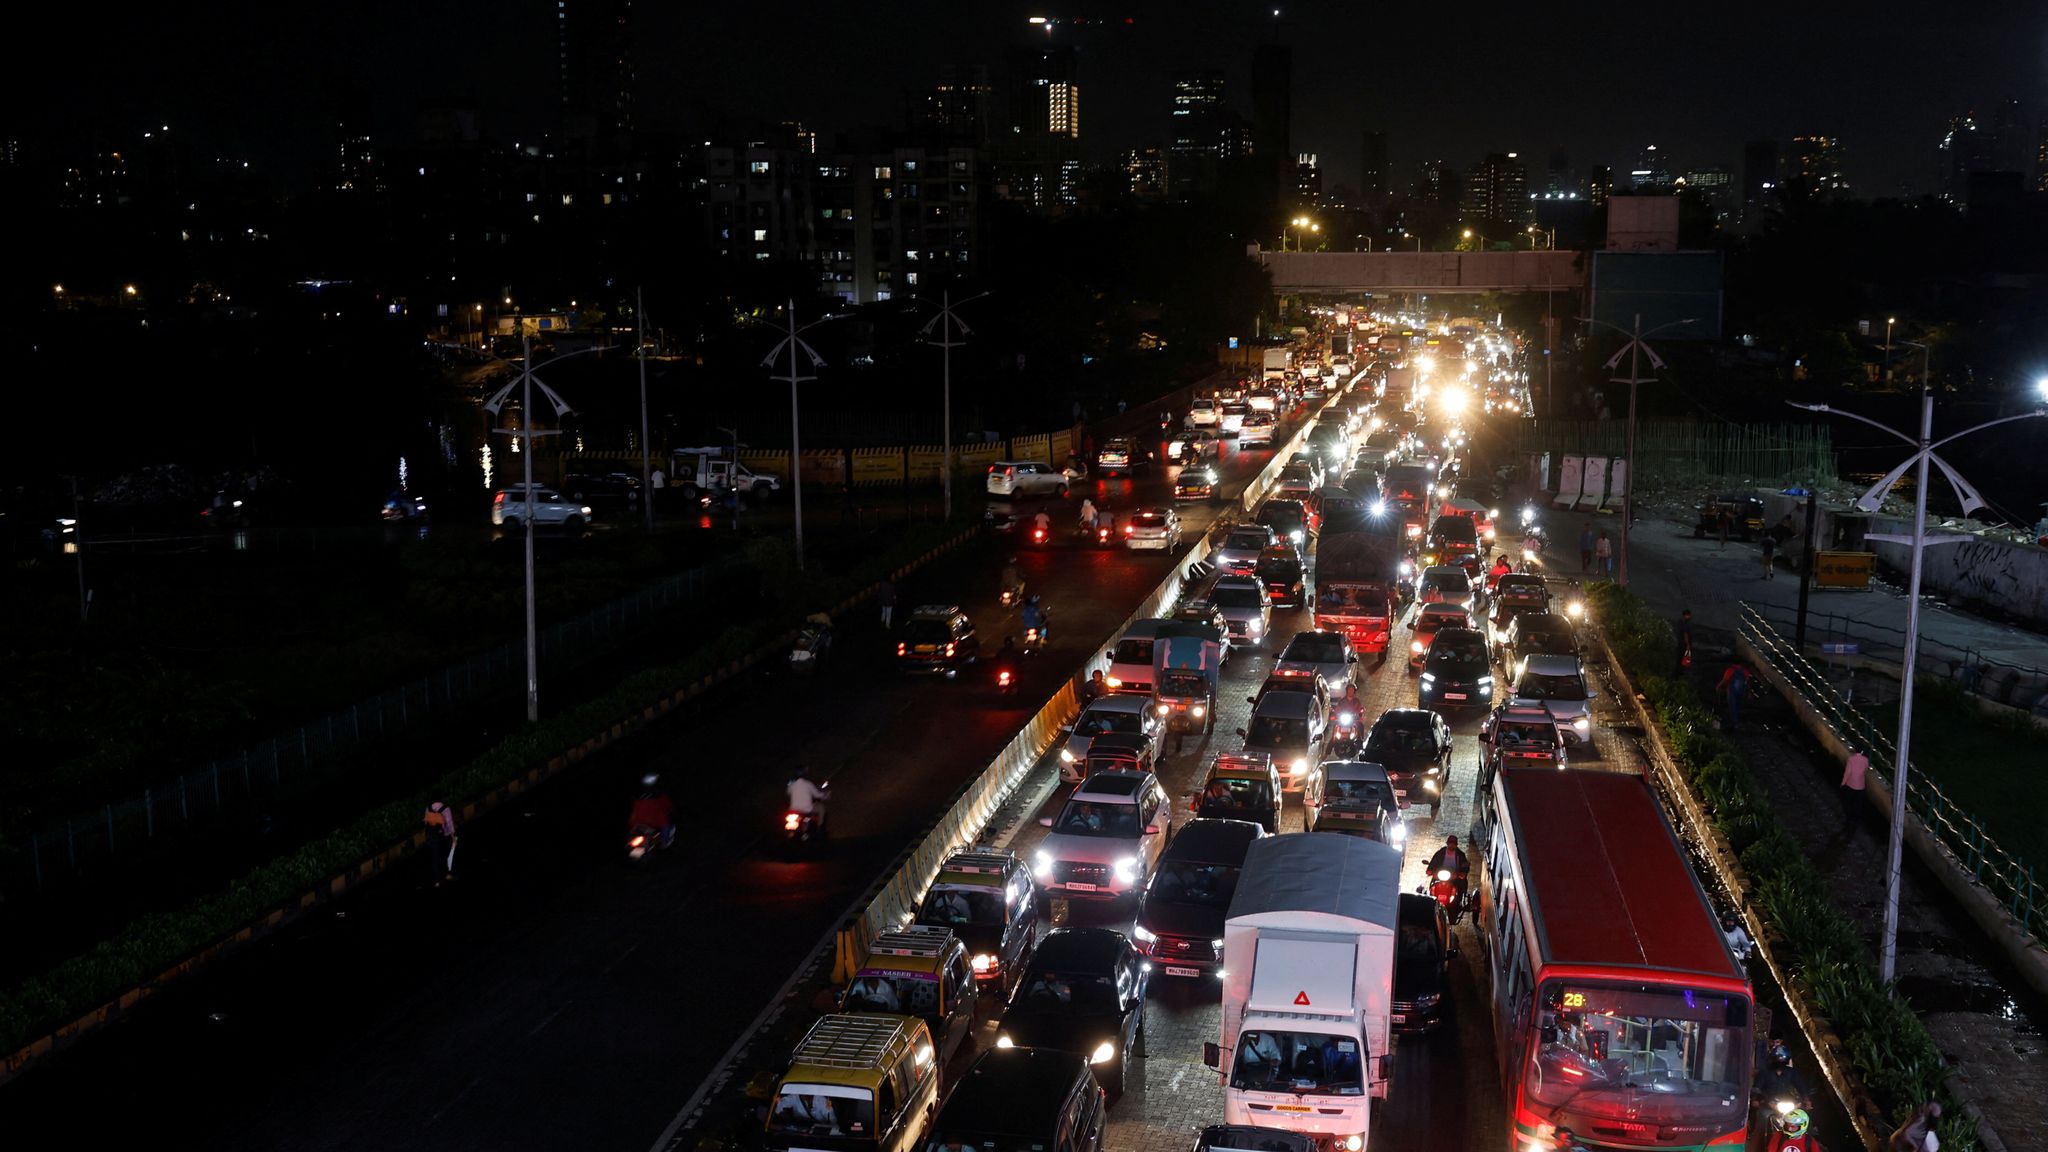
(1119, 454)
(938, 638)
(857, 1081)
(1195, 482)
(987, 898)
(920, 971)
(1240, 786)
(1023, 1098)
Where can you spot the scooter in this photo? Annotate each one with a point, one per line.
(644, 840)
(1345, 743)
(804, 827)
(1006, 680)
(1039, 536)
(1791, 1128)
(1013, 594)
(1035, 637)
(1443, 888)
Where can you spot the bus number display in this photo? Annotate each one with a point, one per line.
(1574, 1000)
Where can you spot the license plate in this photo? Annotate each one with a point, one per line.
(925, 649)
(1400, 1019)
(1454, 695)
(1183, 971)
(1077, 886)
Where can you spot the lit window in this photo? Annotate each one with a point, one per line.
(760, 255)
(529, 197)
(882, 172)
(568, 197)
(910, 255)
(911, 277)
(758, 167)
(829, 213)
(760, 235)
(910, 165)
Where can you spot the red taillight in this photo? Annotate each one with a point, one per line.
(1127, 529)
(1003, 678)
(791, 821)
(901, 649)
(498, 499)
(636, 842)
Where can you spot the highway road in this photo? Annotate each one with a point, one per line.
(552, 997)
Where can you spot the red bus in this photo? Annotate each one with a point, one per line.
(1618, 1010)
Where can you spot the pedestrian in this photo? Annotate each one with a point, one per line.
(732, 506)
(1769, 547)
(1733, 686)
(1586, 548)
(1684, 640)
(1723, 522)
(885, 595)
(1088, 445)
(1854, 770)
(1917, 1134)
(1603, 555)
(440, 849)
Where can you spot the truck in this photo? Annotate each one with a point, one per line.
(1340, 342)
(1187, 658)
(1308, 986)
(1400, 385)
(701, 472)
(1278, 360)
(1358, 582)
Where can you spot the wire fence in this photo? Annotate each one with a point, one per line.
(2017, 685)
(2008, 878)
(243, 789)
(1690, 453)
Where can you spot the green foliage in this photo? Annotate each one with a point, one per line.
(1888, 1047)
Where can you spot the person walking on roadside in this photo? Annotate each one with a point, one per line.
(1603, 555)
(1723, 522)
(885, 596)
(1586, 540)
(1769, 546)
(1917, 1134)
(1854, 772)
(1733, 686)
(1684, 640)
(440, 850)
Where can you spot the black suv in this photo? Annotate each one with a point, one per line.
(1422, 957)
(1287, 518)
(1023, 1098)
(583, 486)
(1181, 916)
(1280, 570)
(1414, 746)
(1457, 673)
(1084, 993)
(938, 638)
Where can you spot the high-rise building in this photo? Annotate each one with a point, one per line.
(1652, 170)
(1045, 92)
(1600, 185)
(955, 111)
(1715, 187)
(594, 67)
(2041, 157)
(1760, 178)
(891, 221)
(1373, 188)
(1970, 147)
(101, 182)
(1557, 175)
(1195, 129)
(1496, 191)
(1816, 168)
(1146, 170)
(1308, 181)
(1273, 114)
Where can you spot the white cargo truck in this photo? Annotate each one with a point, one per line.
(1308, 985)
(704, 472)
(1278, 360)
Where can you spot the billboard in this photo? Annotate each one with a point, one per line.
(1664, 288)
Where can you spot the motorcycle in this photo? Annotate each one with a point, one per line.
(804, 827)
(1105, 533)
(1345, 743)
(1006, 681)
(1791, 1128)
(1013, 594)
(813, 641)
(644, 840)
(1443, 888)
(1040, 536)
(1035, 637)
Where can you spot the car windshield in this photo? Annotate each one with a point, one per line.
(926, 632)
(1455, 585)
(874, 992)
(1253, 541)
(1234, 794)
(1280, 516)
(1132, 650)
(807, 1110)
(1186, 882)
(949, 906)
(1299, 1062)
(1537, 686)
(1068, 993)
(1100, 722)
(1281, 568)
(1345, 598)
(1086, 818)
(1465, 648)
(1276, 732)
(1234, 597)
(1183, 684)
(1523, 735)
(1315, 650)
(1359, 793)
(1431, 621)
(1410, 740)
(1644, 1054)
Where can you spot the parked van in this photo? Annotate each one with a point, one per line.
(864, 1080)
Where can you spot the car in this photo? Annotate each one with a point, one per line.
(1301, 477)
(508, 508)
(1180, 917)
(938, 638)
(1293, 728)
(1247, 610)
(1119, 752)
(1240, 550)
(1382, 448)
(987, 898)
(1537, 633)
(1414, 746)
(1233, 417)
(1422, 961)
(1523, 588)
(1194, 446)
(920, 971)
(1501, 615)
(1245, 1138)
(1330, 444)
(1257, 428)
(1745, 513)
(1026, 478)
(1205, 412)
(1023, 1097)
(1195, 482)
(1363, 483)
(1152, 528)
(1288, 518)
(1522, 735)
(1240, 786)
(1084, 993)
(1129, 713)
(1558, 683)
(1118, 455)
(1328, 655)
(1281, 570)
(1430, 619)
(1105, 839)
(1454, 539)
(1446, 584)
(1355, 798)
(583, 486)
(1458, 672)
(1264, 399)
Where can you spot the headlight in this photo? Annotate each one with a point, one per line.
(1066, 756)
(1430, 784)
(985, 963)
(1199, 710)
(1398, 833)
(1416, 647)
(1127, 870)
(1254, 627)
(1299, 767)
(1042, 864)
(1575, 609)
(1353, 1143)
(1103, 1054)
(1347, 719)
(1295, 536)
(1164, 709)
(1113, 682)
(1429, 1001)
(1429, 677)
(1216, 946)
(1004, 1041)
(1581, 723)
(586, 509)
(1493, 513)
(1139, 934)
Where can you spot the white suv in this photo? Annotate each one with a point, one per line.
(508, 505)
(1204, 413)
(1107, 839)
(1025, 478)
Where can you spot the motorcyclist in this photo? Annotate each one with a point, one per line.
(1347, 705)
(1006, 660)
(653, 809)
(1500, 568)
(1451, 858)
(1034, 617)
(1095, 689)
(1043, 523)
(808, 799)
(1088, 515)
(1779, 1080)
(1736, 935)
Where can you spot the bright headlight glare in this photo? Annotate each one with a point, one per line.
(1398, 832)
(1581, 723)
(1005, 1042)
(1139, 933)
(1103, 1054)
(983, 962)
(1042, 864)
(1066, 755)
(1299, 767)
(1127, 869)
(1164, 709)
(1347, 719)
(1200, 710)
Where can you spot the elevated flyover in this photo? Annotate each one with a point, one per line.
(1427, 272)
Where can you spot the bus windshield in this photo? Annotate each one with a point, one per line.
(1648, 1054)
(1299, 1062)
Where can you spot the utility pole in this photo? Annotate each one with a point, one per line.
(945, 321)
(1634, 349)
(646, 448)
(78, 551)
(526, 434)
(1805, 575)
(795, 343)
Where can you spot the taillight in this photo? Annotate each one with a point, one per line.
(791, 821)
(901, 649)
(636, 841)
(1127, 529)
(498, 499)
(949, 649)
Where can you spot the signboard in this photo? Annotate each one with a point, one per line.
(1843, 569)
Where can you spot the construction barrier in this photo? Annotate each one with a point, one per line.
(1570, 478)
(1037, 448)
(877, 467)
(1843, 569)
(975, 458)
(1060, 445)
(1594, 475)
(923, 463)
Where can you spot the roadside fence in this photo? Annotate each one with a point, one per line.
(1690, 453)
(2017, 685)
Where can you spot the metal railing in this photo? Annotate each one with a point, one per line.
(2008, 878)
(252, 787)
(1690, 453)
(2018, 685)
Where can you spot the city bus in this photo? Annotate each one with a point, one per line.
(1618, 1010)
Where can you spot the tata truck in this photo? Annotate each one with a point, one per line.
(1358, 580)
(1308, 986)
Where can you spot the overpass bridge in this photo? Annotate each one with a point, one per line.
(1434, 273)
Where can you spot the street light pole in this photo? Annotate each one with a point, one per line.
(525, 432)
(1634, 348)
(1888, 322)
(795, 343)
(646, 468)
(1888, 943)
(945, 320)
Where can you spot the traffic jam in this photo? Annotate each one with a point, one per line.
(1341, 851)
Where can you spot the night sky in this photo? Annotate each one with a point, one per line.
(1450, 81)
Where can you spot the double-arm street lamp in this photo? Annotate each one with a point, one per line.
(1469, 234)
(1298, 224)
(945, 321)
(1888, 944)
(1549, 235)
(795, 343)
(1634, 350)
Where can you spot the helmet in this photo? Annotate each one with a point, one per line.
(1730, 921)
(1794, 1123)
(1779, 1053)
(650, 780)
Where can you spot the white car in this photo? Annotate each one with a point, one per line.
(1157, 528)
(1557, 684)
(1204, 413)
(1026, 478)
(1257, 428)
(1232, 419)
(1246, 609)
(1105, 843)
(1126, 712)
(508, 508)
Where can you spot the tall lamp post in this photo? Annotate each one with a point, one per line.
(795, 343)
(1888, 322)
(1634, 349)
(1888, 944)
(646, 449)
(1469, 234)
(526, 433)
(1298, 223)
(945, 322)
